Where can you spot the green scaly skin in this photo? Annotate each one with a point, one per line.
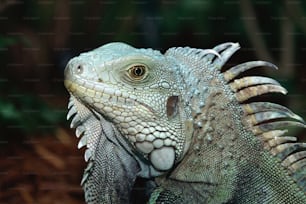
(183, 121)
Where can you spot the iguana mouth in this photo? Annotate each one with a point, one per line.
(97, 92)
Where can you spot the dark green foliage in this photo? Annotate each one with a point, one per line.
(28, 113)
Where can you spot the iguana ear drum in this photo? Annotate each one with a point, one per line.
(172, 106)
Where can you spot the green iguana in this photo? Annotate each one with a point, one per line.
(180, 118)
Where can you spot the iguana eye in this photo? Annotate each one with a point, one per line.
(137, 71)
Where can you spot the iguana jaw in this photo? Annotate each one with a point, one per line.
(160, 152)
(156, 144)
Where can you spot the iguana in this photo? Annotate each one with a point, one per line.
(181, 118)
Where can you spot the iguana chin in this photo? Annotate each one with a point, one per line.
(181, 118)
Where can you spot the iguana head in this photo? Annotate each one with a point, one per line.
(138, 91)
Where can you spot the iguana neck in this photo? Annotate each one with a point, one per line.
(225, 152)
(210, 156)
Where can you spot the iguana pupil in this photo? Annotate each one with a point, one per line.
(137, 71)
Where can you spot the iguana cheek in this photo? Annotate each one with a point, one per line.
(163, 158)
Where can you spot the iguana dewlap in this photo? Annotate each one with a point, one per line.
(181, 118)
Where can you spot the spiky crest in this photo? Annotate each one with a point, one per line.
(87, 126)
(268, 121)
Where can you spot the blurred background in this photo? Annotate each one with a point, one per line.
(39, 159)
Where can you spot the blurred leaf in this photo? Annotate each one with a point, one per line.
(30, 113)
(8, 111)
(6, 41)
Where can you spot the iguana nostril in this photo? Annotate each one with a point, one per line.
(79, 69)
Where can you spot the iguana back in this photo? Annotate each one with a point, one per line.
(193, 125)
